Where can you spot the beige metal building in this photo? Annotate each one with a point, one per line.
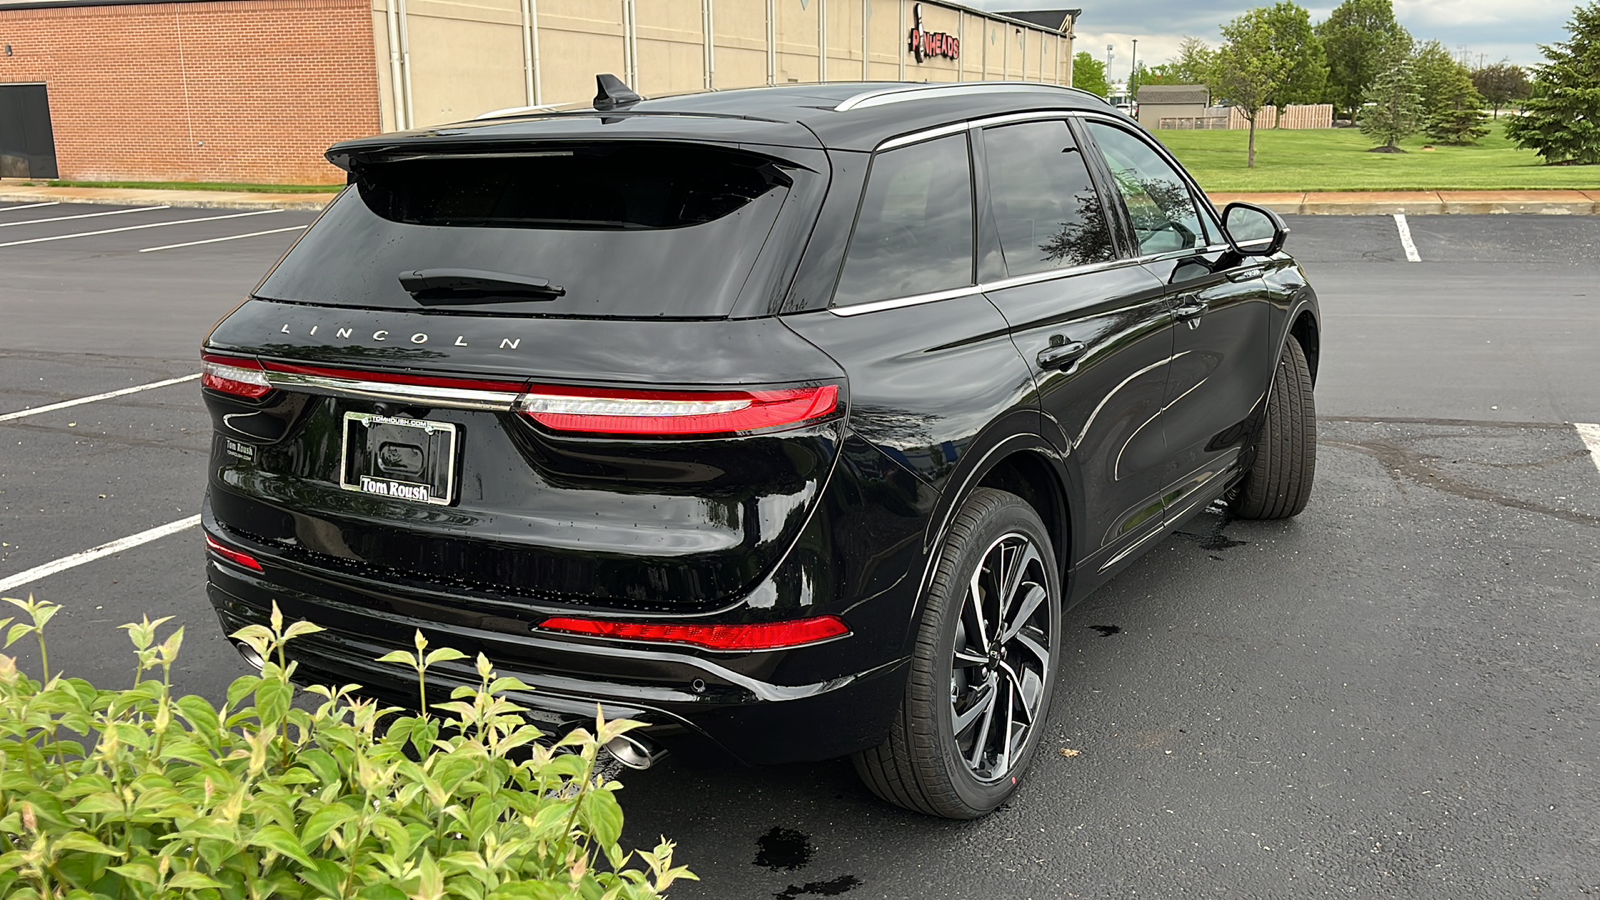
(445, 60)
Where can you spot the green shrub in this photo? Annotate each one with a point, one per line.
(137, 794)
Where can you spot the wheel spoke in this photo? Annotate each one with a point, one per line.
(1003, 763)
(966, 659)
(982, 741)
(1019, 687)
(1034, 596)
(962, 722)
(1035, 648)
(975, 601)
(1022, 559)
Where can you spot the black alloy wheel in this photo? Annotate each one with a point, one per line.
(984, 666)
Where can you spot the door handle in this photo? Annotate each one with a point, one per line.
(1061, 353)
(1192, 308)
(1245, 274)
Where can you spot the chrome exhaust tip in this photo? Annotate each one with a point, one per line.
(635, 751)
(251, 657)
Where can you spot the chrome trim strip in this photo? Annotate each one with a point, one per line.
(918, 137)
(903, 93)
(912, 300)
(453, 398)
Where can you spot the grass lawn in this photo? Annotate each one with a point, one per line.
(201, 186)
(1336, 159)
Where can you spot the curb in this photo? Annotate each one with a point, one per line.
(1422, 203)
(177, 199)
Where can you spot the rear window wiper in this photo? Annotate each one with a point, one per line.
(447, 286)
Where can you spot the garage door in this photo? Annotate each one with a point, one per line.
(27, 143)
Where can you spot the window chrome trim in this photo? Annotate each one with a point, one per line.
(917, 137)
(860, 309)
(904, 93)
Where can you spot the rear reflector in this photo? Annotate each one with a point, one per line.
(769, 636)
(231, 555)
(668, 413)
(231, 375)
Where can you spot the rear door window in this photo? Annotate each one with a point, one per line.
(914, 232)
(624, 229)
(1044, 204)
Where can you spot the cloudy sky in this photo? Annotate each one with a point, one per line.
(1492, 30)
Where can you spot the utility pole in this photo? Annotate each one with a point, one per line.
(1133, 68)
(1109, 52)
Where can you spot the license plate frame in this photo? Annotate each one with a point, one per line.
(369, 439)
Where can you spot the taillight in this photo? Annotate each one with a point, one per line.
(667, 413)
(766, 636)
(234, 376)
(236, 557)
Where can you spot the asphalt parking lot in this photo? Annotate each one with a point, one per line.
(1394, 695)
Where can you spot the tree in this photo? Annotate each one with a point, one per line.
(1193, 63)
(1452, 109)
(1358, 37)
(1502, 84)
(1293, 36)
(1251, 67)
(1392, 107)
(1561, 121)
(1089, 74)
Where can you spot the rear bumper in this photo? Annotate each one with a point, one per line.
(748, 706)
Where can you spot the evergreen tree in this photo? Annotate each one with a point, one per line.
(1561, 121)
(1452, 109)
(1457, 117)
(1089, 74)
(1358, 36)
(1392, 108)
(1502, 84)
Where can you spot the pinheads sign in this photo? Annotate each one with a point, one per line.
(924, 44)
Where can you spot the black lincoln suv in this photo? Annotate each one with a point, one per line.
(787, 421)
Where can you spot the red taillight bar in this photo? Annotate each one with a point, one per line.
(767, 636)
(237, 557)
(671, 413)
(234, 375)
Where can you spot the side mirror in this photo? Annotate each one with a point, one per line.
(1253, 230)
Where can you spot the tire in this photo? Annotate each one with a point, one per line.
(1279, 482)
(963, 764)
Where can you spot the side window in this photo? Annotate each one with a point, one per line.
(914, 232)
(1158, 200)
(1045, 206)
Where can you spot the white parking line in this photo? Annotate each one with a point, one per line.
(63, 237)
(231, 237)
(114, 212)
(1405, 238)
(106, 396)
(94, 553)
(30, 206)
(1591, 439)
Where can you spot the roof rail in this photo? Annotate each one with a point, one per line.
(529, 110)
(902, 93)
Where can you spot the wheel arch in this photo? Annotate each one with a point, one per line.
(1308, 332)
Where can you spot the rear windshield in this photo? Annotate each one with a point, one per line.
(630, 230)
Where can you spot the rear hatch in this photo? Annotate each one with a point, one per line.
(538, 371)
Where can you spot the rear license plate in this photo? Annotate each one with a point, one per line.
(404, 459)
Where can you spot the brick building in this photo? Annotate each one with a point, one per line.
(255, 90)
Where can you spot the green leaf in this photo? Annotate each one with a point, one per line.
(599, 810)
(242, 687)
(281, 841)
(323, 821)
(300, 628)
(98, 805)
(194, 881)
(141, 870)
(399, 656)
(326, 876)
(273, 699)
(18, 632)
(445, 654)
